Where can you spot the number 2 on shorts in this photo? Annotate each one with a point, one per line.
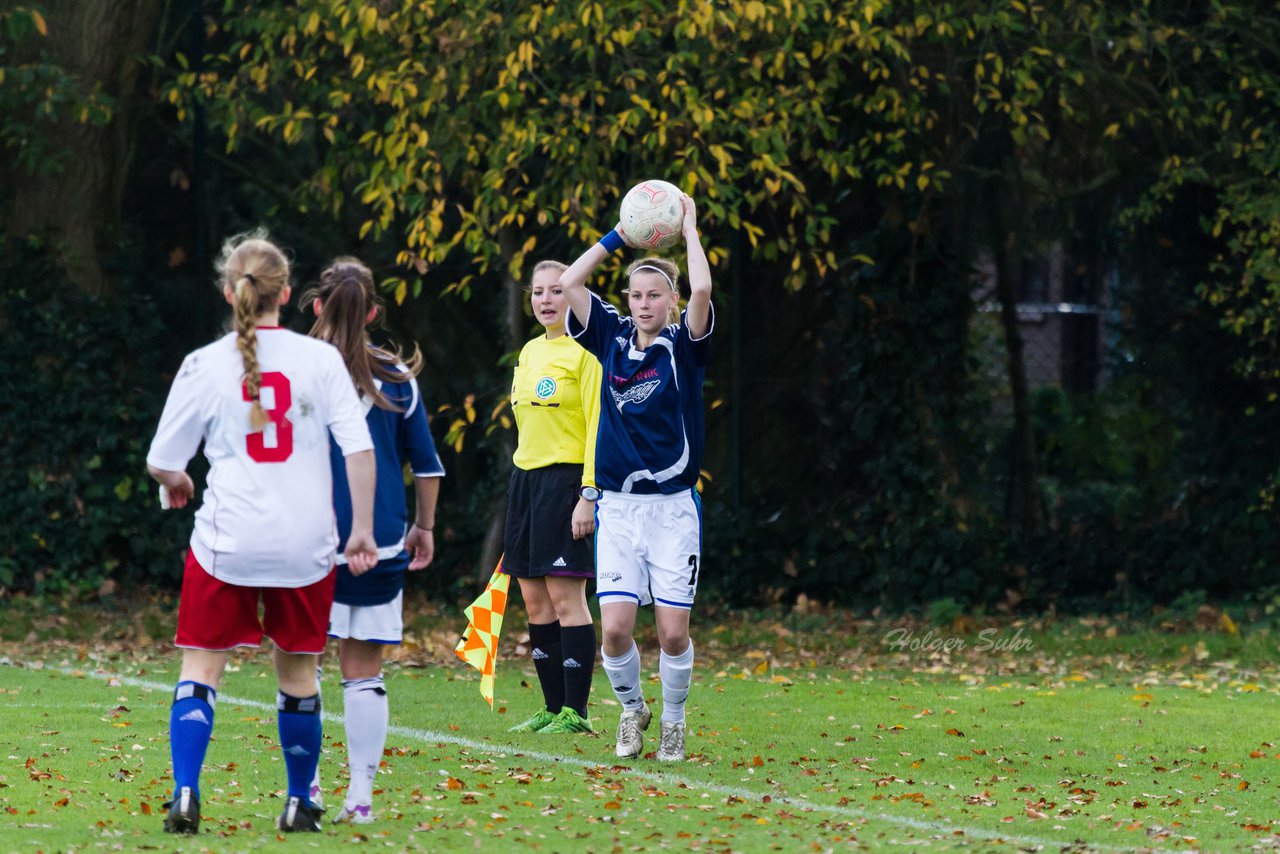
(693, 576)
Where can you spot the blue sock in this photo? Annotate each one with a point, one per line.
(190, 726)
(300, 735)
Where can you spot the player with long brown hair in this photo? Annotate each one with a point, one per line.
(368, 607)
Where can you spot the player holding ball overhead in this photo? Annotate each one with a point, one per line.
(264, 401)
(648, 456)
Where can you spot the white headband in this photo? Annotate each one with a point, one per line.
(657, 270)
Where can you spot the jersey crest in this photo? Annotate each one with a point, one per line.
(655, 445)
(637, 393)
(545, 388)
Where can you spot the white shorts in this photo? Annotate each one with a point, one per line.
(377, 623)
(648, 548)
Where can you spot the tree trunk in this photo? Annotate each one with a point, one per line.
(1023, 507)
(951, 486)
(77, 203)
(515, 325)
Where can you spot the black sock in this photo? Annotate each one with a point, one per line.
(578, 646)
(544, 638)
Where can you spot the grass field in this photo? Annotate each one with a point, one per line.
(804, 734)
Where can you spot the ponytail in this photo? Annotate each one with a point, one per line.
(347, 295)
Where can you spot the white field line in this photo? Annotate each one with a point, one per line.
(953, 832)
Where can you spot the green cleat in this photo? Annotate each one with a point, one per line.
(535, 723)
(567, 721)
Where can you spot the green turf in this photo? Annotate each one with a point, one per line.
(1115, 754)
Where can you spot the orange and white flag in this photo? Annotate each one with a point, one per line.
(479, 644)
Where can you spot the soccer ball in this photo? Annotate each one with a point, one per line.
(652, 214)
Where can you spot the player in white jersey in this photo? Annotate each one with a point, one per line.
(648, 455)
(263, 401)
(367, 609)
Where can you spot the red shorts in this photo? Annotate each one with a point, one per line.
(215, 615)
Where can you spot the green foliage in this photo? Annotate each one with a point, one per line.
(944, 612)
(447, 123)
(874, 154)
(82, 398)
(829, 136)
(1147, 501)
(889, 444)
(1218, 127)
(35, 92)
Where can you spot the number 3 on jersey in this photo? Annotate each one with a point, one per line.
(276, 396)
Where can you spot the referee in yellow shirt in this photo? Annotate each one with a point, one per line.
(555, 396)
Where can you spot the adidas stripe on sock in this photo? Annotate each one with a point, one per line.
(190, 727)
(544, 643)
(624, 676)
(298, 720)
(578, 646)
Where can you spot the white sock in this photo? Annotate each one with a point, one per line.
(624, 676)
(366, 720)
(676, 672)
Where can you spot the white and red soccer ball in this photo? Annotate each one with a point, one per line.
(652, 214)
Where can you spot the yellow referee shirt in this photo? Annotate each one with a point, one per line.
(555, 396)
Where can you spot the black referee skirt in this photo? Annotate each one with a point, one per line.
(539, 535)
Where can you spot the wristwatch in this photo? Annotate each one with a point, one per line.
(590, 493)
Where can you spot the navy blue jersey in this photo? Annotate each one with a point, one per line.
(397, 437)
(651, 432)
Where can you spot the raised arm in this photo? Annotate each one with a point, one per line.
(698, 310)
(574, 279)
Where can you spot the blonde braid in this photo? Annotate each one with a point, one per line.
(246, 316)
(347, 293)
(257, 272)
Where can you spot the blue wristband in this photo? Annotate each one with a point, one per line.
(612, 241)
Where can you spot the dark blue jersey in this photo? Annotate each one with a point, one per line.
(651, 431)
(397, 437)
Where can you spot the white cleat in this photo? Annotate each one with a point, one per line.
(671, 742)
(631, 727)
(354, 814)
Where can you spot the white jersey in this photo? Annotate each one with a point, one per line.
(267, 515)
